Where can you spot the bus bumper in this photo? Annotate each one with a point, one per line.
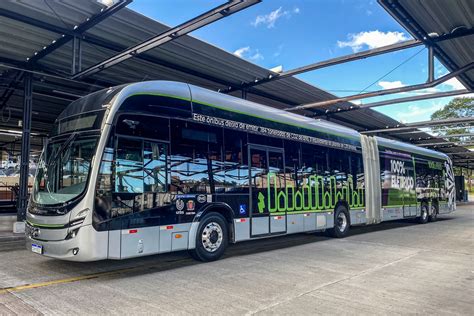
(87, 245)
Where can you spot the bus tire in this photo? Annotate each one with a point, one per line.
(434, 212)
(342, 222)
(423, 219)
(212, 238)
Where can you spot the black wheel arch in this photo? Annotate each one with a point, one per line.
(221, 208)
(347, 207)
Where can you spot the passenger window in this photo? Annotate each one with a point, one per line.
(195, 153)
(154, 167)
(235, 165)
(129, 166)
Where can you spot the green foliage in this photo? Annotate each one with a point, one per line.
(458, 107)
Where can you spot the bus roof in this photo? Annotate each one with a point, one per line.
(233, 104)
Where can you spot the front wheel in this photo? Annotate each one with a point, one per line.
(423, 219)
(342, 223)
(211, 238)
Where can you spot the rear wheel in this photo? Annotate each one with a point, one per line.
(211, 238)
(434, 213)
(342, 223)
(423, 219)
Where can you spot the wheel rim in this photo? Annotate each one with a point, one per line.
(341, 221)
(425, 213)
(212, 237)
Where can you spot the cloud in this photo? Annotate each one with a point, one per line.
(241, 51)
(372, 39)
(248, 53)
(256, 56)
(414, 112)
(454, 84)
(270, 19)
(398, 84)
(391, 84)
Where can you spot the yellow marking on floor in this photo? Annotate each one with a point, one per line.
(62, 281)
(84, 277)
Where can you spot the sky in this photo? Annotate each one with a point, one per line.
(300, 32)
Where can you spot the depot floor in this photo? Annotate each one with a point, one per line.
(398, 267)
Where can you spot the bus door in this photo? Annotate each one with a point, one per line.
(267, 191)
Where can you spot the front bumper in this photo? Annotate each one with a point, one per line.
(89, 244)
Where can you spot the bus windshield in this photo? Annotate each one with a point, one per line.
(64, 169)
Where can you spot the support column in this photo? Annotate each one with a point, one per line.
(430, 64)
(76, 65)
(25, 150)
(244, 93)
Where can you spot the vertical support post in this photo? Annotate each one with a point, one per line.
(244, 93)
(430, 64)
(79, 54)
(76, 53)
(25, 147)
(73, 55)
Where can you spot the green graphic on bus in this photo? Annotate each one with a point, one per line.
(316, 194)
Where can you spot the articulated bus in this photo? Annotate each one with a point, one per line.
(160, 166)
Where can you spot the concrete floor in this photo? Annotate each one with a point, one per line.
(398, 267)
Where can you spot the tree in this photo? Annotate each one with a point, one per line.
(457, 108)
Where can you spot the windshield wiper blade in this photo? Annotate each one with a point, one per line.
(61, 149)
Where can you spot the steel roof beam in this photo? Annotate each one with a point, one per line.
(352, 57)
(415, 98)
(204, 19)
(331, 62)
(447, 128)
(468, 153)
(79, 29)
(450, 121)
(94, 40)
(461, 144)
(398, 100)
(445, 136)
(386, 91)
(91, 39)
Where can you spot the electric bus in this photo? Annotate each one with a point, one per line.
(159, 166)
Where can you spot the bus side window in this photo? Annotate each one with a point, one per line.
(129, 166)
(236, 172)
(292, 162)
(195, 154)
(155, 167)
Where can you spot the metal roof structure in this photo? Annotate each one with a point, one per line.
(30, 38)
(428, 20)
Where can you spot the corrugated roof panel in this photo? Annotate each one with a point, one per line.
(202, 60)
(440, 17)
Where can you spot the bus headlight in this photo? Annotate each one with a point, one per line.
(79, 219)
(72, 233)
(83, 213)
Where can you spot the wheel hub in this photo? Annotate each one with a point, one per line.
(212, 236)
(341, 221)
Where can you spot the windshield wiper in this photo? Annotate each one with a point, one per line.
(53, 159)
